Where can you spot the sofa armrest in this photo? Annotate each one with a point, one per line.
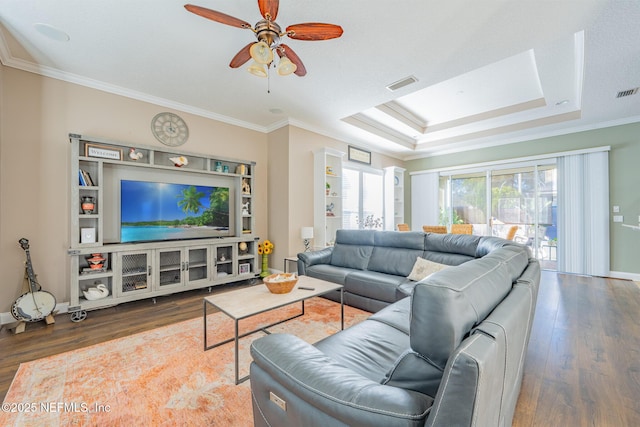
(319, 391)
(307, 259)
(471, 387)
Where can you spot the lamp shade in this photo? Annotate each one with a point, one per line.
(286, 67)
(261, 53)
(257, 69)
(306, 232)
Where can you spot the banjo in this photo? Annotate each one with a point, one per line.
(36, 304)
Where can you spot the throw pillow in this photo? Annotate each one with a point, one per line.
(423, 268)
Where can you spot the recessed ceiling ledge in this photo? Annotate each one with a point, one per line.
(365, 123)
(403, 115)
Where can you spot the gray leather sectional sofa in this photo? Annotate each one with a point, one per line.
(450, 354)
(374, 266)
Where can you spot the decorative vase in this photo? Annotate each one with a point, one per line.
(87, 204)
(265, 266)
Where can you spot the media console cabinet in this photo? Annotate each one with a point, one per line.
(105, 271)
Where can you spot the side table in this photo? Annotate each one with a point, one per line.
(289, 259)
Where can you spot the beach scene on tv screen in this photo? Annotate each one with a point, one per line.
(152, 211)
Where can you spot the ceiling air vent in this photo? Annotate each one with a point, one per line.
(402, 83)
(627, 92)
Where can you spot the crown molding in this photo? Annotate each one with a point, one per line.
(530, 137)
(9, 61)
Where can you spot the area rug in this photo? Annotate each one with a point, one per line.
(162, 377)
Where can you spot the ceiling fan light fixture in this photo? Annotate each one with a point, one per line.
(257, 69)
(286, 67)
(269, 34)
(261, 53)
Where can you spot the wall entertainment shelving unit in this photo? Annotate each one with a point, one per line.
(101, 263)
(327, 198)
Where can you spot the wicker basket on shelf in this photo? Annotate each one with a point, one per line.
(280, 283)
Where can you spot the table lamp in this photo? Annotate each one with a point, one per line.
(307, 234)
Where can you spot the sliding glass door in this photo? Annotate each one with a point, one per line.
(518, 202)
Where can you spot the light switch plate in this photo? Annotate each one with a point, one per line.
(618, 218)
(616, 209)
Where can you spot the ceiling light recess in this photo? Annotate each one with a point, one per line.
(402, 83)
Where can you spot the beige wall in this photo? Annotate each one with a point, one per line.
(36, 116)
(38, 113)
(278, 197)
(291, 185)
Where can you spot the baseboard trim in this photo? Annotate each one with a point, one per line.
(7, 318)
(622, 275)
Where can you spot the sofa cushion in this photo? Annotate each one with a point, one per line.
(447, 258)
(368, 348)
(379, 286)
(396, 315)
(352, 248)
(423, 268)
(405, 240)
(330, 273)
(488, 244)
(463, 244)
(351, 256)
(356, 237)
(516, 259)
(397, 261)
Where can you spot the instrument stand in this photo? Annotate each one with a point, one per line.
(21, 326)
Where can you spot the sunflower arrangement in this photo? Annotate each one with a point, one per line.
(265, 249)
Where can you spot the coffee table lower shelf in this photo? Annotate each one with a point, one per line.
(247, 302)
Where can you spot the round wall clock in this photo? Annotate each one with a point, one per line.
(169, 129)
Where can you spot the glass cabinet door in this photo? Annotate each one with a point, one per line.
(136, 273)
(170, 268)
(223, 263)
(197, 264)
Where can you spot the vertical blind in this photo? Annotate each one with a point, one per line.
(424, 200)
(583, 213)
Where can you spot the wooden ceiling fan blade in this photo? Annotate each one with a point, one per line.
(214, 15)
(314, 31)
(269, 7)
(293, 57)
(242, 56)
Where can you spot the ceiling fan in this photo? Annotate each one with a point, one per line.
(269, 35)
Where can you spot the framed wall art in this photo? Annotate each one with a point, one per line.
(359, 155)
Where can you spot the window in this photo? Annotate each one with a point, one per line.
(557, 204)
(512, 201)
(362, 192)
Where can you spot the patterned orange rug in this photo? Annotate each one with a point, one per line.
(161, 377)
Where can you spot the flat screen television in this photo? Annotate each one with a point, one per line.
(156, 211)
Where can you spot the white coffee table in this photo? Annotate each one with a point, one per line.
(246, 302)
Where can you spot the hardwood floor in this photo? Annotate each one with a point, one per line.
(582, 367)
(583, 362)
(42, 340)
